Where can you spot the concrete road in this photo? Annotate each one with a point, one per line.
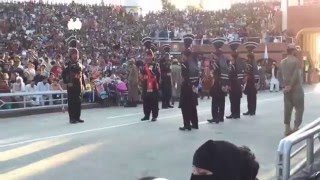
(114, 145)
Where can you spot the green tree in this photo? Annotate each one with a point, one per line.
(167, 6)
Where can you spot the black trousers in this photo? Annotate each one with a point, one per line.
(74, 104)
(165, 101)
(252, 102)
(190, 116)
(217, 108)
(151, 104)
(235, 101)
(166, 91)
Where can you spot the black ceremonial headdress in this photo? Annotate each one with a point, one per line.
(252, 66)
(147, 42)
(250, 46)
(72, 44)
(166, 48)
(72, 41)
(218, 43)
(221, 60)
(188, 40)
(240, 65)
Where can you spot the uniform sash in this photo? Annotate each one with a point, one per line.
(151, 79)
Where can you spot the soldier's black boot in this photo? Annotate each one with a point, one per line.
(230, 117)
(80, 121)
(145, 119)
(213, 121)
(184, 128)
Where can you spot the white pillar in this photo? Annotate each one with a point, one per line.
(284, 10)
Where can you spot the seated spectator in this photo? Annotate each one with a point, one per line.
(38, 77)
(5, 88)
(220, 160)
(18, 87)
(43, 71)
(55, 86)
(32, 88)
(30, 72)
(43, 86)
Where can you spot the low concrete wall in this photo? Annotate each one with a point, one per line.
(44, 110)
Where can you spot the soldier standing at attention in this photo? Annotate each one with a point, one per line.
(150, 84)
(293, 90)
(219, 89)
(188, 96)
(165, 68)
(73, 78)
(176, 80)
(251, 80)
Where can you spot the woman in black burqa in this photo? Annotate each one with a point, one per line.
(220, 160)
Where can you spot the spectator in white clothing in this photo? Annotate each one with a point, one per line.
(43, 86)
(17, 87)
(32, 88)
(274, 82)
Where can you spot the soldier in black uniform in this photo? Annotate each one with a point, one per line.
(251, 80)
(73, 77)
(219, 89)
(150, 84)
(188, 95)
(166, 89)
(237, 67)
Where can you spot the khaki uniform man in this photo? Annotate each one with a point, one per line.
(293, 91)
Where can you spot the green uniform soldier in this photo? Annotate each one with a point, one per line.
(293, 91)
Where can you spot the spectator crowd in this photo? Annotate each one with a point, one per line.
(33, 49)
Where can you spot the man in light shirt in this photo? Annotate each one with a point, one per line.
(32, 88)
(43, 86)
(274, 82)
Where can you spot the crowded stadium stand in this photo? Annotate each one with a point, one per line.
(33, 52)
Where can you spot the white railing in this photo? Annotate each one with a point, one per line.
(309, 133)
(34, 100)
(289, 40)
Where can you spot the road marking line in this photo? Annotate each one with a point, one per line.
(52, 162)
(65, 135)
(117, 126)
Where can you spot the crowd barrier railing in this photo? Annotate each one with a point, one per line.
(32, 100)
(289, 40)
(308, 134)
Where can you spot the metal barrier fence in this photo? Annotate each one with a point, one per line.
(34, 100)
(282, 39)
(309, 133)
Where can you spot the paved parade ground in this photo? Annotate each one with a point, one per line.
(113, 144)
